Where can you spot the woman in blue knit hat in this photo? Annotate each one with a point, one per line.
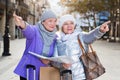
(67, 43)
(40, 39)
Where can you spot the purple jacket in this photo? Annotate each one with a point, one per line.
(35, 44)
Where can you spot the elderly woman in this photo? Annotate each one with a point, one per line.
(67, 43)
(40, 38)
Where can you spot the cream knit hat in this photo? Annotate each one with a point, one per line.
(65, 18)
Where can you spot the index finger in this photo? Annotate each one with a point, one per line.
(107, 22)
(14, 14)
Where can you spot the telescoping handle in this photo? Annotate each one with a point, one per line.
(29, 66)
(66, 75)
(65, 71)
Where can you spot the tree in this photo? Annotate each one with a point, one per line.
(86, 7)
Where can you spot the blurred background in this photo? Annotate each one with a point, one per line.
(88, 13)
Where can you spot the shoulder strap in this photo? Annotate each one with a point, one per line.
(81, 46)
(91, 47)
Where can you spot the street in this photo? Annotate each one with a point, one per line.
(109, 54)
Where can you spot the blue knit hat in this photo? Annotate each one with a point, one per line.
(47, 14)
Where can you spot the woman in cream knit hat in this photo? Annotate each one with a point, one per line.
(67, 43)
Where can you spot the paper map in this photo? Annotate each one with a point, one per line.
(60, 59)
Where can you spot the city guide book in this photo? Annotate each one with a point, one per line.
(60, 59)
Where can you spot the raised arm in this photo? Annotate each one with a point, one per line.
(95, 33)
(28, 30)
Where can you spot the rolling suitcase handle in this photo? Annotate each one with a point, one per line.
(66, 77)
(66, 71)
(32, 67)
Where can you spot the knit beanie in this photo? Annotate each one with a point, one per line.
(65, 18)
(47, 14)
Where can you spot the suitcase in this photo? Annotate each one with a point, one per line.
(28, 67)
(66, 75)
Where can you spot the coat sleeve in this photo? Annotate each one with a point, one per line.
(93, 35)
(29, 31)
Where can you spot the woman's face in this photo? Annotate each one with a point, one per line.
(50, 24)
(68, 27)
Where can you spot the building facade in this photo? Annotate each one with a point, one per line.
(3, 12)
(29, 10)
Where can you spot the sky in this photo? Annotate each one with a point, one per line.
(55, 7)
(58, 10)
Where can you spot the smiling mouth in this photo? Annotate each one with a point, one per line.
(51, 27)
(69, 29)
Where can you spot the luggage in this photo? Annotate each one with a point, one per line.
(28, 67)
(66, 75)
(49, 73)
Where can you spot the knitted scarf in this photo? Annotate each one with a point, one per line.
(47, 37)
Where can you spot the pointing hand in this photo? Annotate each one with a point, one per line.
(104, 27)
(19, 21)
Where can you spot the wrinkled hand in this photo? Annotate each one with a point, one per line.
(45, 61)
(19, 21)
(66, 66)
(104, 27)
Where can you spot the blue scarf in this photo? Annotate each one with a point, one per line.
(47, 37)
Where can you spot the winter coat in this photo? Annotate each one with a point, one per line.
(68, 45)
(34, 43)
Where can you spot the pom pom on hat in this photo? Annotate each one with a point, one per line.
(47, 14)
(65, 18)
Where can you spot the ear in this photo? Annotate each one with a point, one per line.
(62, 29)
(43, 22)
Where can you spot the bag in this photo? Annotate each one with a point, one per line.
(49, 73)
(92, 65)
